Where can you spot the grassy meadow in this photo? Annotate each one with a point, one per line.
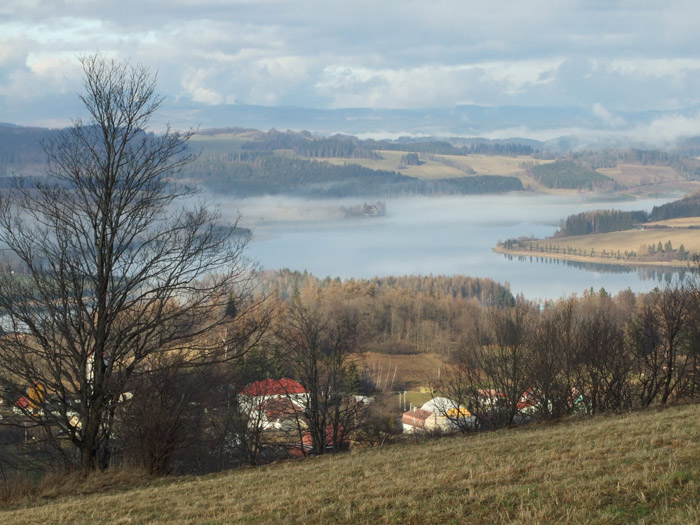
(632, 468)
(447, 166)
(623, 241)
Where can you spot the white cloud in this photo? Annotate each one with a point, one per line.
(196, 84)
(607, 117)
(609, 56)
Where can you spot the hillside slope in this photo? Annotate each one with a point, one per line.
(615, 469)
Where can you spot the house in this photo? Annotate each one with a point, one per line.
(528, 402)
(415, 421)
(457, 416)
(443, 405)
(255, 393)
(306, 446)
(278, 413)
(418, 420)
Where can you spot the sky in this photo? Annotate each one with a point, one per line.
(607, 56)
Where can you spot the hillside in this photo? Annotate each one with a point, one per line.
(246, 162)
(615, 469)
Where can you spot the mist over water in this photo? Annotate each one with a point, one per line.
(432, 235)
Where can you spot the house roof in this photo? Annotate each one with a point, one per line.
(273, 387)
(307, 440)
(439, 405)
(279, 408)
(417, 414)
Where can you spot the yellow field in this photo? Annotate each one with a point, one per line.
(445, 166)
(631, 468)
(631, 240)
(614, 242)
(629, 175)
(683, 222)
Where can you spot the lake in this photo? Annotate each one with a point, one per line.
(435, 235)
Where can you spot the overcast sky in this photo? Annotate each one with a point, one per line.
(604, 55)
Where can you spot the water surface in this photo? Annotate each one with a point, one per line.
(436, 235)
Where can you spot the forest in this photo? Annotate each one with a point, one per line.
(257, 173)
(605, 221)
(571, 175)
(506, 360)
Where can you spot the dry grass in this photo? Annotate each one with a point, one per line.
(633, 468)
(682, 222)
(628, 240)
(412, 370)
(446, 166)
(629, 175)
(57, 484)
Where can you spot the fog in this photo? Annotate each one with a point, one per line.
(430, 235)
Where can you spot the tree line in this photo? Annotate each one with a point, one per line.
(569, 174)
(582, 355)
(604, 221)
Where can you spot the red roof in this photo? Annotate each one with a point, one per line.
(22, 402)
(416, 417)
(306, 441)
(273, 387)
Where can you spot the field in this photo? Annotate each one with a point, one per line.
(633, 468)
(629, 175)
(447, 166)
(412, 371)
(631, 179)
(629, 240)
(682, 222)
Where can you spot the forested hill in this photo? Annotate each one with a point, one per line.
(606, 221)
(263, 172)
(247, 162)
(21, 151)
(687, 207)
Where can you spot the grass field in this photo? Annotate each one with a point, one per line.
(683, 222)
(633, 468)
(412, 371)
(629, 240)
(629, 175)
(445, 166)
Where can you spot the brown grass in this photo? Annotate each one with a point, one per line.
(682, 222)
(629, 175)
(412, 370)
(628, 240)
(23, 490)
(639, 467)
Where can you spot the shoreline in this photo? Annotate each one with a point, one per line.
(594, 260)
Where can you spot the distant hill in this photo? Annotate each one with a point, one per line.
(243, 162)
(21, 151)
(687, 207)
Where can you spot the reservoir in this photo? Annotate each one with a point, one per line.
(438, 236)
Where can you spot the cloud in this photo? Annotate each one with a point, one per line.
(608, 118)
(609, 56)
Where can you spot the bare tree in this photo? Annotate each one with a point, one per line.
(489, 373)
(603, 366)
(321, 345)
(119, 265)
(504, 361)
(165, 413)
(660, 337)
(550, 362)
